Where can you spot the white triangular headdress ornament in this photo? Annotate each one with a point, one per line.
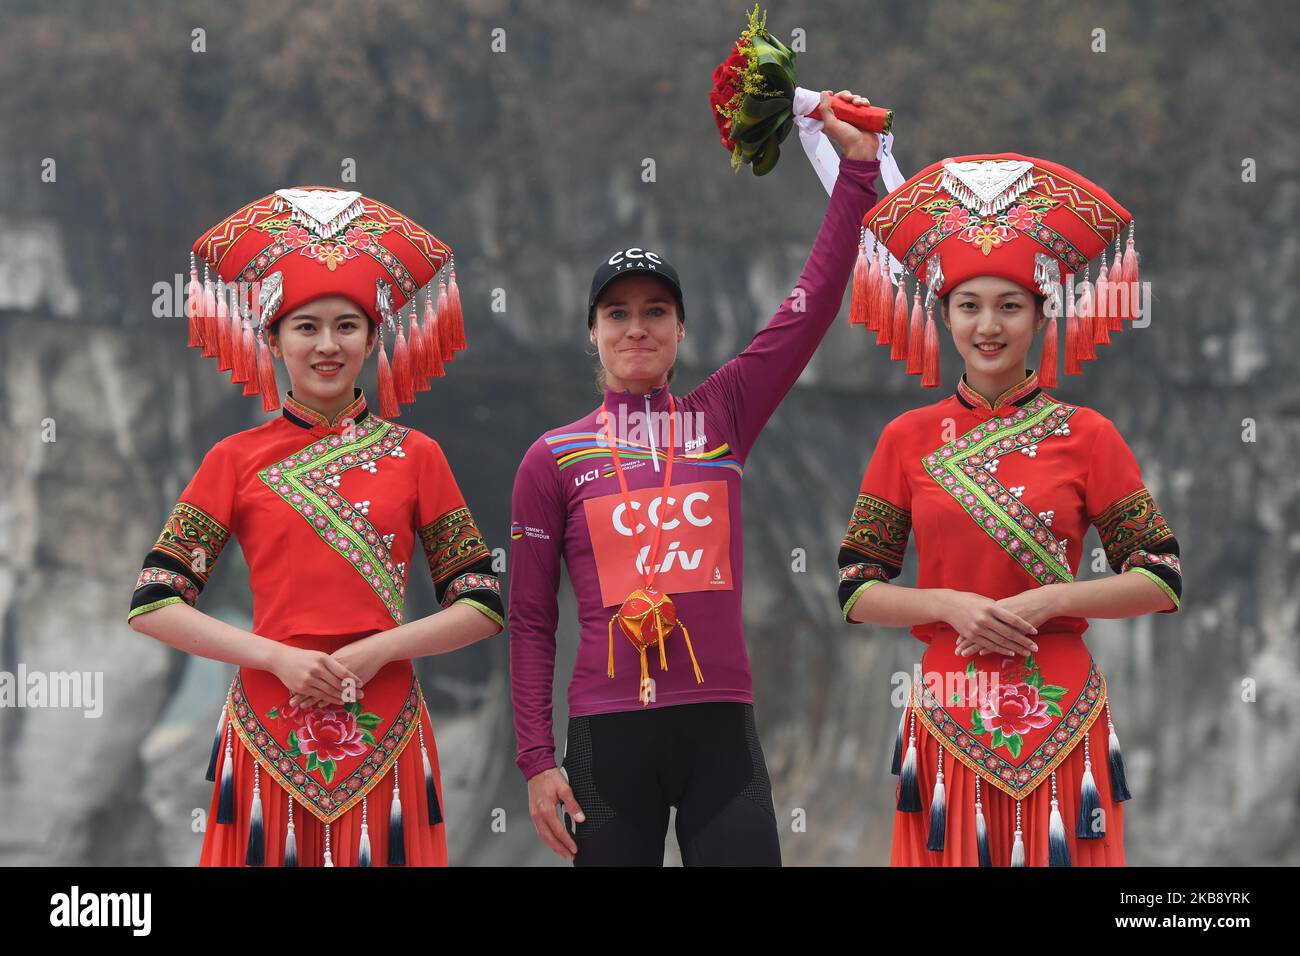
(326, 212)
(987, 186)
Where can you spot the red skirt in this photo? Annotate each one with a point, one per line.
(226, 844)
(912, 830)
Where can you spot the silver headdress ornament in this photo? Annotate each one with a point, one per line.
(1047, 274)
(326, 212)
(933, 281)
(384, 303)
(987, 186)
(269, 298)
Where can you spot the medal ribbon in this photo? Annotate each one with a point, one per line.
(650, 569)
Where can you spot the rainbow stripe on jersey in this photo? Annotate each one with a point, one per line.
(575, 448)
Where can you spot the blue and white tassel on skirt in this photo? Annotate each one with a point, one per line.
(896, 764)
(1058, 851)
(396, 839)
(256, 852)
(430, 789)
(1018, 847)
(909, 791)
(981, 828)
(226, 798)
(938, 808)
(1118, 781)
(1090, 811)
(363, 852)
(211, 775)
(290, 840)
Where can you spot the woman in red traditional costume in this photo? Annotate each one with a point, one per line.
(324, 754)
(1006, 751)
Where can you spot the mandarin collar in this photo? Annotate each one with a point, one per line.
(304, 417)
(1017, 394)
(658, 397)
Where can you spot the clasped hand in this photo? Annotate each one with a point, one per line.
(315, 678)
(1006, 626)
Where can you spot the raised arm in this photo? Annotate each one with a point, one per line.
(752, 384)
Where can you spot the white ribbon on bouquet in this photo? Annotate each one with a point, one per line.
(826, 161)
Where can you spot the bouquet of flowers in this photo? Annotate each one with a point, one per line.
(754, 96)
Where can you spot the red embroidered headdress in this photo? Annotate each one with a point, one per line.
(1002, 214)
(295, 245)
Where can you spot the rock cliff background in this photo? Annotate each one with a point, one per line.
(529, 163)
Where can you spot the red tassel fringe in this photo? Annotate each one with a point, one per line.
(930, 368)
(444, 325)
(419, 361)
(1047, 366)
(898, 338)
(225, 353)
(209, 318)
(193, 303)
(248, 356)
(916, 337)
(388, 407)
(457, 317)
(266, 377)
(402, 385)
(858, 303)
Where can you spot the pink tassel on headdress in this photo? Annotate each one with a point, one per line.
(266, 376)
(1072, 366)
(252, 386)
(916, 336)
(240, 373)
(898, 337)
(225, 353)
(1101, 304)
(444, 323)
(884, 303)
(208, 316)
(1114, 323)
(240, 361)
(403, 387)
(415, 341)
(1087, 352)
(432, 340)
(1118, 294)
(1129, 276)
(457, 328)
(861, 271)
(193, 303)
(1047, 366)
(871, 290)
(1100, 321)
(930, 365)
(388, 407)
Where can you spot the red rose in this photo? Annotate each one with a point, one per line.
(331, 734)
(1014, 709)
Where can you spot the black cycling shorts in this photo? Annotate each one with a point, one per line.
(627, 769)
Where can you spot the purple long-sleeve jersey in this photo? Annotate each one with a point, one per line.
(567, 504)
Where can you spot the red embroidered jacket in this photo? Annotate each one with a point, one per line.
(999, 499)
(327, 514)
